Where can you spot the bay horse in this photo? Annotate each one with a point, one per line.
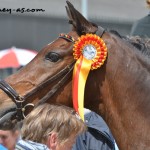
(119, 91)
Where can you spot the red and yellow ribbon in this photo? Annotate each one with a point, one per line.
(90, 52)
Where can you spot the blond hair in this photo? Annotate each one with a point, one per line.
(148, 3)
(46, 119)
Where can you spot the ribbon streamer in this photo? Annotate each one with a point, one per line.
(81, 71)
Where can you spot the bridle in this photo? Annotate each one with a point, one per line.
(65, 72)
(20, 100)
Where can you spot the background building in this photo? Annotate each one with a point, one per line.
(34, 29)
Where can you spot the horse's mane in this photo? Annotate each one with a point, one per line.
(142, 44)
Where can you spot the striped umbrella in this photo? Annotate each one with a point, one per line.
(15, 57)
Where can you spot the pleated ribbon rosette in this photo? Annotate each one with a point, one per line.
(90, 52)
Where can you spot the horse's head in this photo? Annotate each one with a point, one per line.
(47, 78)
(48, 75)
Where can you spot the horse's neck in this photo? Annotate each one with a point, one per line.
(126, 102)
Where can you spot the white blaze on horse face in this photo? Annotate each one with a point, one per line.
(89, 52)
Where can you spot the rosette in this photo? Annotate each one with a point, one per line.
(90, 52)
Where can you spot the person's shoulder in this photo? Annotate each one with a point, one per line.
(144, 19)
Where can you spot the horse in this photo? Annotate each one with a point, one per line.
(118, 90)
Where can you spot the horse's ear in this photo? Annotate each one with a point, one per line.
(80, 24)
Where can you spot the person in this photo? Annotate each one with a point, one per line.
(98, 135)
(9, 134)
(55, 126)
(142, 26)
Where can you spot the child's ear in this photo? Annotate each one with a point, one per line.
(52, 141)
(17, 133)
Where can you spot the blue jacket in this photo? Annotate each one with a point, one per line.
(2, 147)
(98, 136)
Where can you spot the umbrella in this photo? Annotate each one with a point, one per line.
(15, 57)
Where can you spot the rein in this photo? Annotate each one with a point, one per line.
(19, 100)
(66, 73)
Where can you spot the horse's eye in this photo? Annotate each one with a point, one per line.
(52, 56)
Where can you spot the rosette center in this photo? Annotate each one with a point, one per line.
(89, 52)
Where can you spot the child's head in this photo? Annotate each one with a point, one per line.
(9, 134)
(52, 123)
